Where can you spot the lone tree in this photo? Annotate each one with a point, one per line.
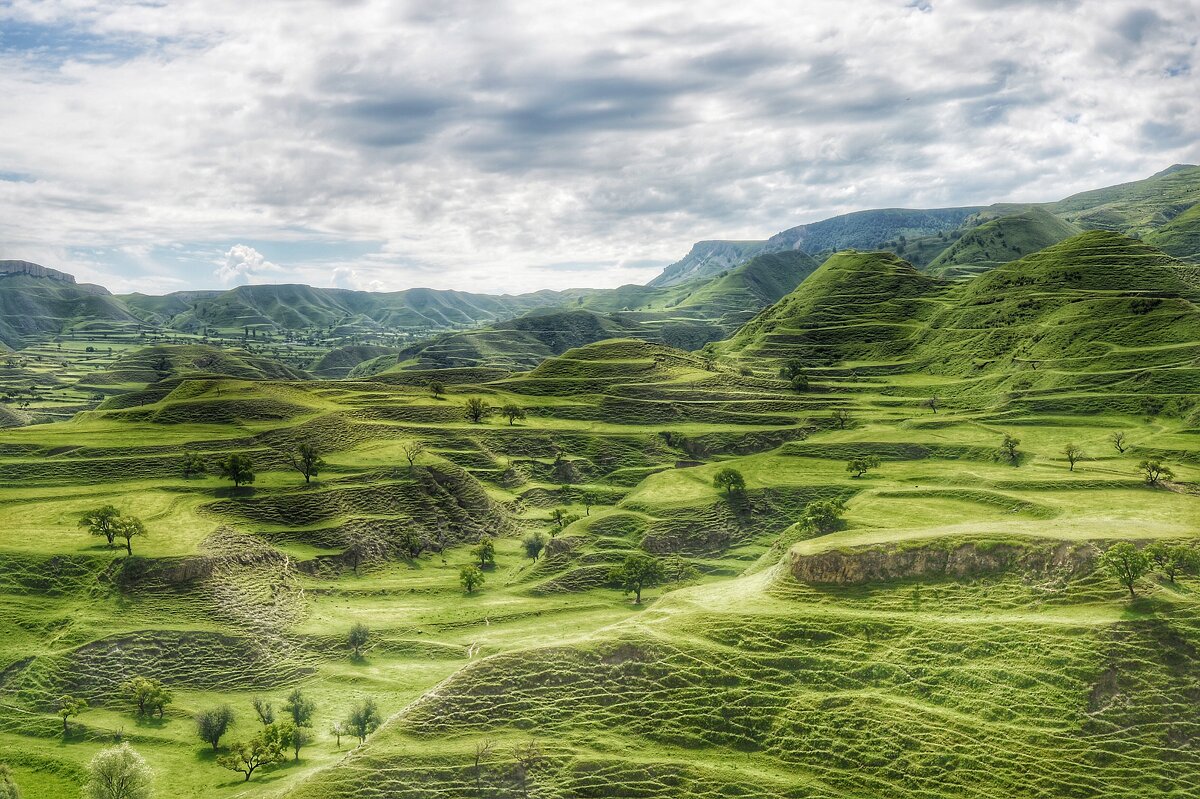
(1173, 560)
(471, 577)
(1008, 447)
(238, 468)
(300, 708)
(118, 773)
(477, 410)
(128, 528)
(637, 572)
(1156, 471)
(513, 413)
(1118, 441)
(560, 519)
(933, 402)
(798, 382)
(357, 639)
(486, 552)
(588, 498)
(437, 388)
(307, 461)
(264, 749)
(412, 451)
(822, 516)
(193, 465)
(337, 729)
(730, 481)
(1073, 454)
(526, 758)
(364, 719)
(69, 706)
(862, 464)
(840, 418)
(213, 723)
(1126, 563)
(147, 695)
(264, 710)
(99, 521)
(534, 543)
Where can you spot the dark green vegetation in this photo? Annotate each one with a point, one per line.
(905, 532)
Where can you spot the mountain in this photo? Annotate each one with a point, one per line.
(1138, 207)
(1002, 240)
(36, 301)
(705, 259)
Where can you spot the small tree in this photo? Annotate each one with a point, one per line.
(1008, 447)
(1118, 441)
(933, 402)
(526, 756)
(471, 577)
(264, 749)
(1173, 560)
(193, 465)
(295, 738)
(840, 418)
(1126, 563)
(213, 723)
(128, 528)
(799, 383)
(483, 750)
(412, 542)
(238, 468)
(1156, 471)
(822, 516)
(99, 521)
(791, 368)
(147, 695)
(514, 413)
(118, 773)
(730, 481)
(486, 552)
(437, 388)
(413, 450)
(364, 719)
(1073, 454)
(477, 410)
(534, 543)
(862, 464)
(337, 729)
(8, 786)
(357, 639)
(307, 461)
(638, 571)
(70, 706)
(264, 710)
(589, 498)
(300, 708)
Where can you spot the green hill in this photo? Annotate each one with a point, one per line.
(1179, 237)
(34, 307)
(1138, 207)
(1001, 240)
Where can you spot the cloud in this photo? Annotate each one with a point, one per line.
(243, 264)
(483, 144)
(344, 277)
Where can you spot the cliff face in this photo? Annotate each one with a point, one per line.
(34, 270)
(959, 560)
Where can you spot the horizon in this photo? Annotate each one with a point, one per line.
(505, 148)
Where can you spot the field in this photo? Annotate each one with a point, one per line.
(953, 636)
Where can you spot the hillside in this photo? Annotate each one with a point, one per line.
(34, 306)
(1001, 240)
(1137, 207)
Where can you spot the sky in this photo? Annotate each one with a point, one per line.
(499, 147)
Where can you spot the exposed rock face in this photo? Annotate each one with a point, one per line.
(940, 559)
(34, 270)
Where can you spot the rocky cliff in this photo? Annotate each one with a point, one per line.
(34, 270)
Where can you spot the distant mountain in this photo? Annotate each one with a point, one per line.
(706, 259)
(1001, 240)
(36, 301)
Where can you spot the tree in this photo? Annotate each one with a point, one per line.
(213, 723)
(364, 719)
(1008, 447)
(1118, 441)
(637, 572)
(307, 461)
(471, 577)
(1073, 454)
(933, 402)
(477, 410)
(799, 383)
(412, 451)
(264, 749)
(70, 706)
(193, 465)
(337, 729)
(238, 468)
(357, 639)
(862, 464)
(8, 786)
(1126, 563)
(118, 773)
(412, 543)
(482, 752)
(128, 528)
(147, 695)
(513, 412)
(840, 418)
(264, 710)
(791, 368)
(589, 498)
(294, 738)
(730, 481)
(534, 543)
(1156, 471)
(437, 388)
(1173, 560)
(527, 757)
(99, 521)
(300, 708)
(822, 516)
(486, 552)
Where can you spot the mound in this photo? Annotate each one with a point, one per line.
(1000, 241)
(164, 361)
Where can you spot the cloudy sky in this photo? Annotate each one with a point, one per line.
(502, 146)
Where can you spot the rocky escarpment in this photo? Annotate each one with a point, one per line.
(942, 559)
(34, 270)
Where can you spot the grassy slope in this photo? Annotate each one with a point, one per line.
(1001, 240)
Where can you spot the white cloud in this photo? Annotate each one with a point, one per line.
(243, 264)
(344, 277)
(481, 143)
